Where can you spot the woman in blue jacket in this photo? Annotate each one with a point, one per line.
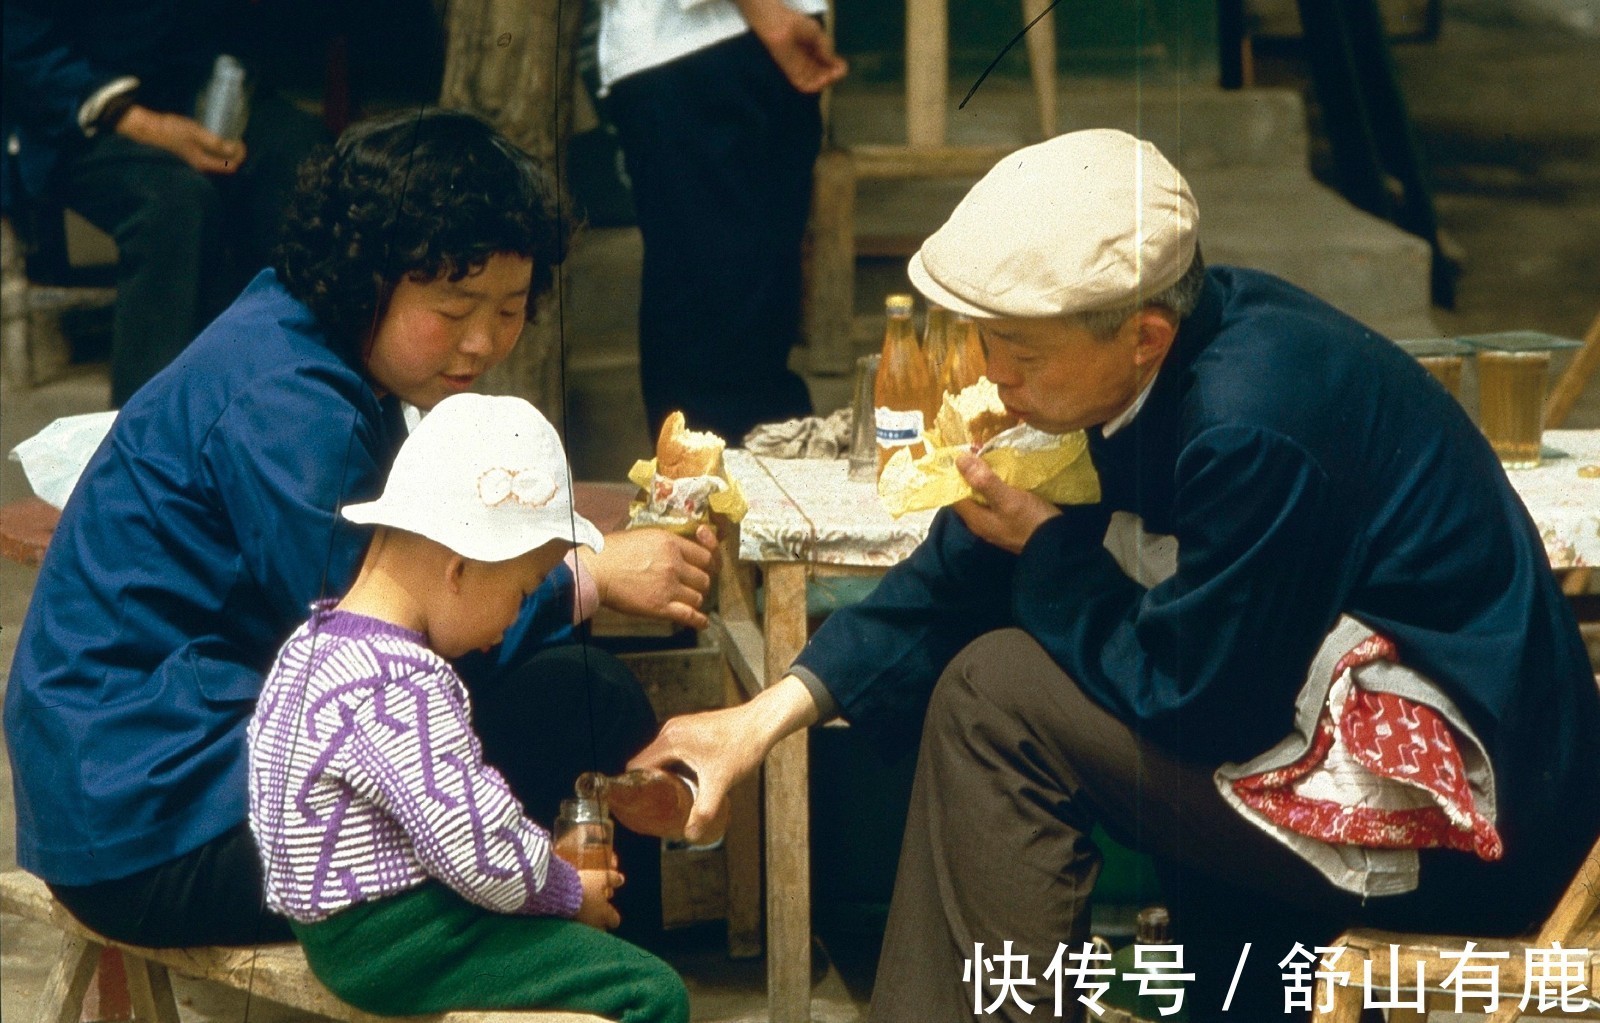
(208, 521)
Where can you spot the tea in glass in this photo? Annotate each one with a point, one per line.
(1511, 404)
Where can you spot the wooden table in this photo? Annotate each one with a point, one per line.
(806, 519)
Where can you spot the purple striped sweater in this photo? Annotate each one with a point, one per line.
(366, 779)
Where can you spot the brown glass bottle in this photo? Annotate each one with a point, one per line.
(646, 800)
(964, 362)
(906, 396)
(936, 338)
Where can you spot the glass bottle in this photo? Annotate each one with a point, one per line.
(965, 361)
(936, 338)
(582, 834)
(647, 800)
(906, 394)
(224, 104)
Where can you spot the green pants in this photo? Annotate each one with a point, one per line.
(429, 950)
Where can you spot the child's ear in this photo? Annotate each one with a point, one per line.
(454, 569)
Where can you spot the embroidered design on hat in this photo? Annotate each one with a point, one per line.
(527, 487)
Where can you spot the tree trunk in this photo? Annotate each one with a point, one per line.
(511, 62)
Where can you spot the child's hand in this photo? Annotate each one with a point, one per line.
(596, 909)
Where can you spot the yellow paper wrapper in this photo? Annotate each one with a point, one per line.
(679, 505)
(1061, 474)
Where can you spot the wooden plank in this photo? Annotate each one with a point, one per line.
(277, 972)
(927, 71)
(829, 266)
(678, 681)
(788, 821)
(898, 163)
(63, 992)
(743, 847)
(151, 990)
(1578, 374)
(741, 644)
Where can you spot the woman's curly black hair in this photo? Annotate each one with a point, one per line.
(424, 194)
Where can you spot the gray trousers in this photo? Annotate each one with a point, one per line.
(1016, 767)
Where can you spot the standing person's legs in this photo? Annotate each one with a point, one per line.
(1016, 767)
(165, 218)
(563, 711)
(720, 150)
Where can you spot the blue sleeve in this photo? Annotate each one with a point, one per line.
(880, 659)
(545, 621)
(284, 457)
(1205, 659)
(46, 81)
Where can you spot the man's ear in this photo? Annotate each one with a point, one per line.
(1157, 328)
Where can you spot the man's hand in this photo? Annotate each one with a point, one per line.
(723, 747)
(797, 43)
(1008, 516)
(596, 909)
(184, 138)
(654, 573)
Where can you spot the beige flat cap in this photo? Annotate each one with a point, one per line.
(1088, 220)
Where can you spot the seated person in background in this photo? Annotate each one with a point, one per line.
(208, 522)
(1353, 694)
(446, 896)
(97, 119)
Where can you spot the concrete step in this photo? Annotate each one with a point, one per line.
(1197, 127)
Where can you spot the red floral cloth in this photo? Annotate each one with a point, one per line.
(1398, 742)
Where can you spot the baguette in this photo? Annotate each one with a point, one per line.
(682, 453)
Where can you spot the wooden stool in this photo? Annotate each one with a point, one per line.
(276, 972)
(829, 301)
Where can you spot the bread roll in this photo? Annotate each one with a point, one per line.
(682, 452)
(973, 417)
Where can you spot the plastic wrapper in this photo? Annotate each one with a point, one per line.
(54, 458)
(1057, 467)
(681, 505)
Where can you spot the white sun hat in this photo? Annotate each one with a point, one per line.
(1088, 220)
(486, 477)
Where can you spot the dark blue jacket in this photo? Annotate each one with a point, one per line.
(194, 543)
(1308, 468)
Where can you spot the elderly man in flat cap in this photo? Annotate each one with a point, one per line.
(1331, 679)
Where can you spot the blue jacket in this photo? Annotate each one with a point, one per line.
(1308, 468)
(193, 545)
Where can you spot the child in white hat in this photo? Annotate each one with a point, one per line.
(405, 864)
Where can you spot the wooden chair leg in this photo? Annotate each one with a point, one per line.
(1042, 62)
(62, 998)
(1577, 376)
(151, 990)
(1341, 1004)
(742, 848)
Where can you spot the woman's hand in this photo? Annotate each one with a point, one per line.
(183, 137)
(654, 573)
(723, 747)
(596, 909)
(797, 43)
(1009, 515)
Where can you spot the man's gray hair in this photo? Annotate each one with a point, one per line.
(1181, 298)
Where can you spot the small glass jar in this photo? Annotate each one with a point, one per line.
(583, 834)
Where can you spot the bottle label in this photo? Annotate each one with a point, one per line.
(896, 427)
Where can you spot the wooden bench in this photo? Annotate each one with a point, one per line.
(276, 972)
